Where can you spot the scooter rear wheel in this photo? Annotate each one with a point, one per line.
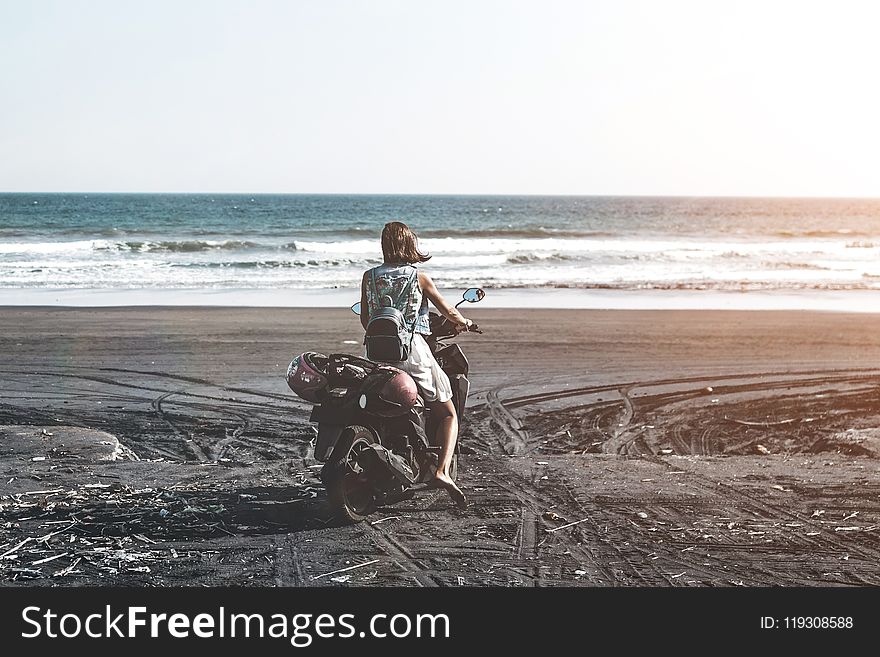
(350, 493)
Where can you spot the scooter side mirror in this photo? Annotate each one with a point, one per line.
(473, 294)
(356, 308)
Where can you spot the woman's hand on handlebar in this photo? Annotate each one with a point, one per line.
(467, 325)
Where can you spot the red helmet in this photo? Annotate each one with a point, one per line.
(396, 396)
(307, 376)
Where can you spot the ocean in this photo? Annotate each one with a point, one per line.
(211, 243)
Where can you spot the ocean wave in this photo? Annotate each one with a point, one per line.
(144, 246)
(183, 246)
(543, 247)
(277, 264)
(685, 285)
(869, 282)
(518, 233)
(530, 258)
(840, 232)
(587, 263)
(795, 265)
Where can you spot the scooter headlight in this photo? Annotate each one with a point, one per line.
(362, 402)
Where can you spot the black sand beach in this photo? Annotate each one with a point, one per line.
(635, 448)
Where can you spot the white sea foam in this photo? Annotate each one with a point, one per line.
(56, 248)
(618, 263)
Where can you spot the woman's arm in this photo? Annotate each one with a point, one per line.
(365, 309)
(446, 309)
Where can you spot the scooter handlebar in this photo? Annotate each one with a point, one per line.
(443, 328)
(471, 328)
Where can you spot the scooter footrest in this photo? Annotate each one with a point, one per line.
(377, 456)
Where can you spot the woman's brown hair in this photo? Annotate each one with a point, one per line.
(400, 244)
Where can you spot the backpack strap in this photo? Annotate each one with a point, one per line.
(404, 299)
(375, 293)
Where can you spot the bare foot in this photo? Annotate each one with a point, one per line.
(443, 481)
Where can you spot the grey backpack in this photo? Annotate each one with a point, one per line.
(388, 337)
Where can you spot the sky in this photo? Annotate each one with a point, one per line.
(610, 97)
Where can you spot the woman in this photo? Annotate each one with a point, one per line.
(401, 255)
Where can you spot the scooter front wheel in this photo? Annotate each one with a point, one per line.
(350, 492)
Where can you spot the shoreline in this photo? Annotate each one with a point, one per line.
(838, 301)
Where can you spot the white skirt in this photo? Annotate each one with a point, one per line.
(424, 368)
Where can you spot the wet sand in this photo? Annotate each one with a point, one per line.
(685, 447)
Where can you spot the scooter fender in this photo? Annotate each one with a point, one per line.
(328, 436)
(461, 387)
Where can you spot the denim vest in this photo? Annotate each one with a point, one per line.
(391, 281)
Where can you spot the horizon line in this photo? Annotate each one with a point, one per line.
(446, 194)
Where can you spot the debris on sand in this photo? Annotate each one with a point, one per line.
(100, 530)
(48, 559)
(762, 449)
(342, 570)
(776, 423)
(15, 549)
(571, 524)
(70, 569)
